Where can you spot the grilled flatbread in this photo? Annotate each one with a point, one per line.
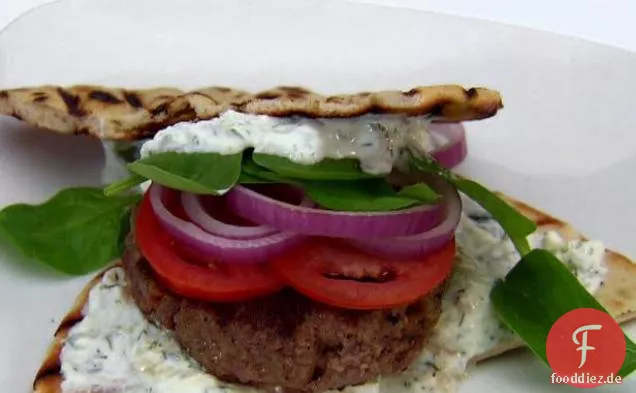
(126, 114)
(618, 295)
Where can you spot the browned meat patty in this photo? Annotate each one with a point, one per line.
(285, 341)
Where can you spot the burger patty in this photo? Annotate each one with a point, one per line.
(285, 341)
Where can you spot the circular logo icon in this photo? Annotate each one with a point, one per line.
(585, 347)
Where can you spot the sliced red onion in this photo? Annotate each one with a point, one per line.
(197, 213)
(264, 210)
(421, 244)
(255, 250)
(449, 141)
(193, 206)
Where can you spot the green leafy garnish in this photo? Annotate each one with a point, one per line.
(419, 191)
(124, 185)
(370, 195)
(347, 187)
(128, 151)
(244, 178)
(200, 173)
(629, 364)
(327, 169)
(516, 225)
(263, 175)
(536, 293)
(76, 231)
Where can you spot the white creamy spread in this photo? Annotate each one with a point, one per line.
(115, 347)
(375, 140)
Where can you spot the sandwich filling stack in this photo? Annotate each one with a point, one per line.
(289, 242)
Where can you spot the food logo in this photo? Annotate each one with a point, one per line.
(586, 348)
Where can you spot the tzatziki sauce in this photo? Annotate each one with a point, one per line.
(468, 326)
(375, 140)
(114, 346)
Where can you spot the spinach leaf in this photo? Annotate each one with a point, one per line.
(629, 365)
(123, 185)
(76, 231)
(200, 173)
(250, 170)
(536, 293)
(128, 151)
(516, 225)
(361, 195)
(327, 169)
(421, 192)
(244, 178)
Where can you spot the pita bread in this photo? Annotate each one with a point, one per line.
(618, 295)
(126, 114)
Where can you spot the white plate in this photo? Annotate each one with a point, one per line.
(565, 141)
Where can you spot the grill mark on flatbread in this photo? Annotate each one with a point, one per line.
(127, 114)
(40, 96)
(133, 99)
(72, 102)
(209, 97)
(161, 109)
(334, 99)
(294, 92)
(617, 294)
(82, 131)
(187, 112)
(104, 96)
(267, 95)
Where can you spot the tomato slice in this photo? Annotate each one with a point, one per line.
(332, 272)
(216, 281)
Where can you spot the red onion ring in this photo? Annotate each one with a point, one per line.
(196, 212)
(421, 244)
(256, 250)
(453, 150)
(193, 206)
(249, 204)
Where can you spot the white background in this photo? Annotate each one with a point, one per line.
(611, 22)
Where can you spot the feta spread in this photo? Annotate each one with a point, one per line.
(115, 347)
(375, 140)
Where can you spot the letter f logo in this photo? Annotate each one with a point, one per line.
(583, 343)
(572, 330)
